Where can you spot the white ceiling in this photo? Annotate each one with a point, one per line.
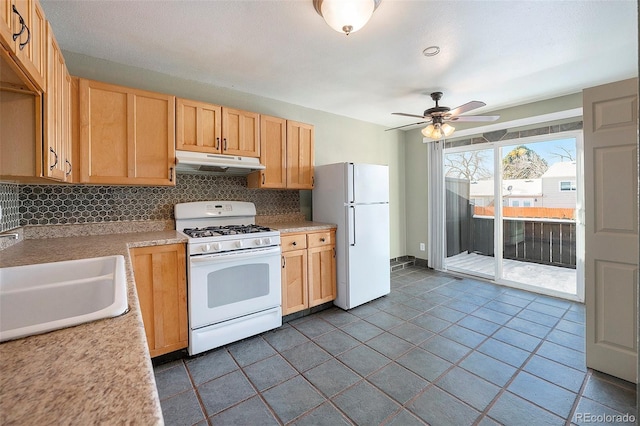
(504, 53)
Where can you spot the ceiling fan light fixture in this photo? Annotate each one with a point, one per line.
(428, 131)
(447, 129)
(346, 16)
(438, 131)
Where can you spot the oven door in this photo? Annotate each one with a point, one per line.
(224, 286)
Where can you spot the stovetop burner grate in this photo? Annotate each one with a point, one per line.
(215, 231)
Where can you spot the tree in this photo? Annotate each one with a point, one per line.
(468, 165)
(523, 163)
(564, 154)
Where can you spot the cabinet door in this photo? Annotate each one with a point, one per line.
(54, 145)
(29, 46)
(322, 267)
(127, 136)
(322, 275)
(198, 126)
(273, 145)
(300, 141)
(6, 32)
(160, 275)
(294, 281)
(240, 132)
(67, 125)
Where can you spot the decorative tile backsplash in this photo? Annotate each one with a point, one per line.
(78, 204)
(10, 216)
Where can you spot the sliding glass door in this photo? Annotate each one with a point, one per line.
(512, 213)
(469, 185)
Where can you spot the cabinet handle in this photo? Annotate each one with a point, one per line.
(263, 178)
(70, 168)
(22, 24)
(23, 27)
(22, 45)
(322, 240)
(170, 174)
(217, 143)
(334, 252)
(313, 181)
(225, 144)
(294, 243)
(284, 262)
(55, 161)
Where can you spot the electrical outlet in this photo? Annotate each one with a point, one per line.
(422, 247)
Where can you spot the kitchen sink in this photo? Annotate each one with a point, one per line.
(43, 297)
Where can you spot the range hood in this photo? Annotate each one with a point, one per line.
(201, 162)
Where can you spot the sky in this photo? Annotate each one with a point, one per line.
(547, 149)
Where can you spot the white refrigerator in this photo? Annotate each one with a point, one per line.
(356, 198)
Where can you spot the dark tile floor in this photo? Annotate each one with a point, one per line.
(438, 350)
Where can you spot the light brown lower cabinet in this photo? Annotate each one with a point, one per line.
(161, 281)
(308, 270)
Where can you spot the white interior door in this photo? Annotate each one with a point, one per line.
(611, 227)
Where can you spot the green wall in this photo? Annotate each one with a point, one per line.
(337, 138)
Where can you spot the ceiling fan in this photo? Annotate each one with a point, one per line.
(440, 116)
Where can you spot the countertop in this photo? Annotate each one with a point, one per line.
(298, 226)
(99, 372)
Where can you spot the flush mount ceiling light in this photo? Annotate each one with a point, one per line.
(346, 16)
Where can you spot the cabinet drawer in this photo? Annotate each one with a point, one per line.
(293, 242)
(319, 239)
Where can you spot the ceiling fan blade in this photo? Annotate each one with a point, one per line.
(466, 107)
(408, 115)
(471, 118)
(407, 125)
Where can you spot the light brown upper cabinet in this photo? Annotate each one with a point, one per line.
(299, 155)
(127, 136)
(273, 152)
(58, 146)
(198, 126)
(23, 33)
(38, 133)
(286, 149)
(240, 132)
(204, 127)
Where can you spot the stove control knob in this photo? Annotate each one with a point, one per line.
(217, 246)
(267, 241)
(258, 242)
(206, 247)
(239, 244)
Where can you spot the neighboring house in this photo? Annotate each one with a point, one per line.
(515, 193)
(559, 185)
(555, 188)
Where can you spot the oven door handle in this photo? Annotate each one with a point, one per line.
(229, 256)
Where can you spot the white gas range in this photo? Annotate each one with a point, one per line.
(233, 269)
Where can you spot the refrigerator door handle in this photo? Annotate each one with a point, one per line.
(351, 183)
(352, 226)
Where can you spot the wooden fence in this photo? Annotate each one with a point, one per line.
(528, 212)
